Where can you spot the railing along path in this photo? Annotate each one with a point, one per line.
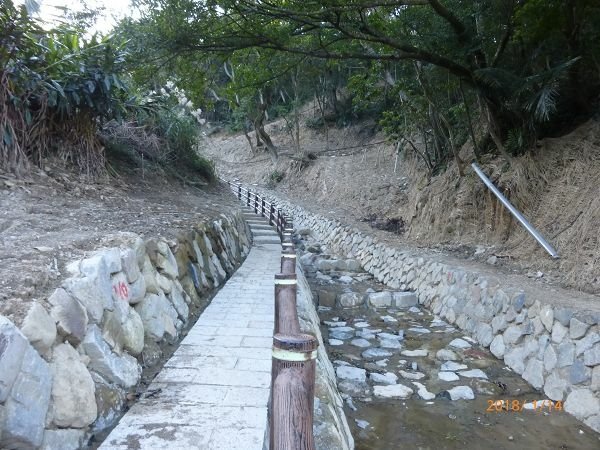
(294, 353)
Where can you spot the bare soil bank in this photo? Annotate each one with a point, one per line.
(356, 177)
(53, 216)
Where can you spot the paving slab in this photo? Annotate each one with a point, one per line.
(213, 392)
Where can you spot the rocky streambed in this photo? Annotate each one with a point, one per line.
(411, 380)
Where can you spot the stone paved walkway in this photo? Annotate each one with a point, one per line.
(213, 393)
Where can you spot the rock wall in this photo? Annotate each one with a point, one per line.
(66, 372)
(555, 348)
(331, 428)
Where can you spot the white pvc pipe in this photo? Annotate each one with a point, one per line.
(538, 237)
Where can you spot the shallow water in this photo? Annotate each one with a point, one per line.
(442, 423)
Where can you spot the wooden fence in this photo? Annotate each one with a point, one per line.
(294, 353)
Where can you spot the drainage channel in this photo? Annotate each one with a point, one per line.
(412, 381)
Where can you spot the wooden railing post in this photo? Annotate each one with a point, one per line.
(288, 260)
(293, 392)
(294, 353)
(286, 317)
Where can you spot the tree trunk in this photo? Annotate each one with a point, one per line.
(269, 143)
(249, 139)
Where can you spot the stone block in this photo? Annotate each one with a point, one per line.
(566, 354)
(513, 334)
(129, 264)
(555, 387)
(483, 334)
(165, 260)
(582, 403)
(351, 373)
(547, 316)
(39, 328)
(69, 314)
(352, 265)
(497, 346)
(27, 405)
(326, 298)
(12, 348)
(326, 265)
(393, 391)
(350, 299)
(158, 316)
(178, 302)
(133, 333)
(591, 357)
(94, 289)
(595, 385)
(149, 273)
(559, 332)
(563, 315)
(137, 290)
(110, 400)
(550, 358)
(534, 373)
(579, 373)
(585, 344)
(577, 328)
(73, 399)
(405, 299)
(518, 302)
(123, 370)
(63, 439)
(380, 299)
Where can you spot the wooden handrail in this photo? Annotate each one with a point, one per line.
(293, 367)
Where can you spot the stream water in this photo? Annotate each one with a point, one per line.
(379, 353)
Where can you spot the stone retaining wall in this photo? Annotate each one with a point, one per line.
(66, 372)
(556, 349)
(331, 428)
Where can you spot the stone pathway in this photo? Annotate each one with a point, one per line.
(213, 393)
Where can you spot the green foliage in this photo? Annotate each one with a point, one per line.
(274, 178)
(56, 86)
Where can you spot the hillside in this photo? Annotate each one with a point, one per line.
(356, 178)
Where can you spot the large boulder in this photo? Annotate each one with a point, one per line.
(39, 328)
(69, 314)
(158, 316)
(350, 299)
(123, 370)
(73, 399)
(94, 288)
(12, 348)
(405, 299)
(380, 299)
(27, 400)
(63, 439)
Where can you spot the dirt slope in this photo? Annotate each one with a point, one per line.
(54, 216)
(356, 176)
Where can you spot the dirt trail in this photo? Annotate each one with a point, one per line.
(356, 177)
(53, 216)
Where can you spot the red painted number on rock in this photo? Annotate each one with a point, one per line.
(121, 290)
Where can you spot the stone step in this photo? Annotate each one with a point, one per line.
(266, 240)
(256, 233)
(255, 218)
(261, 226)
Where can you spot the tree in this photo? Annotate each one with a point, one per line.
(516, 74)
